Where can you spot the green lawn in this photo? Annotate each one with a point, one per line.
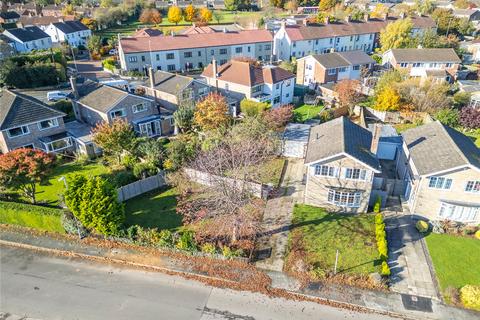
(27, 215)
(401, 127)
(306, 112)
(155, 209)
(323, 233)
(49, 192)
(456, 259)
(270, 172)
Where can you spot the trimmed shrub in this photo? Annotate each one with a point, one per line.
(165, 239)
(209, 248)
(470, 296)
(382, 249)
(385, 269)
(252, 108)
(186, 242)
(32, 216)
(381, 236)
(477, 234)
(379, 219)
(422, 226)
(378, 205)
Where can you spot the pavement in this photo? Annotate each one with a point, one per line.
(277, 217)
(41, 286)
(408, 258)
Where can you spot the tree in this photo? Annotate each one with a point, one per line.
(326, 5)
(183, 117)
(181, 150)
(231, 5)
(151, 151)
(387, 100)
(106, 4)
(190, 13)
(94, 43)
(217, 16)
(252, 108)
(448, 116)
(277, 118)
(396, 35)
(150, 16)
(89, 23)
(68, 10)
(212, 112)
(22, 169)
(425, 95)
(114, 139)
(291, 6)
(205, 15)
(94, 202)
(424, 7)
(289, 65)
(379, 11)
(174, 15)
(348, 93)
(388, 79)
(470, 118)
(278, 3)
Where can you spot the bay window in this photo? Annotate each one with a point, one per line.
(349, 199)
(457, 212)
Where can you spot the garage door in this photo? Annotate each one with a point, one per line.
(386, 150)
(293, 149)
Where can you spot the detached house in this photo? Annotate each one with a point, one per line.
(28, 123)
(9, 17)
(95, 103)
(73, 32)
(332, 67)
(340, 166)
(28, 39)
(441, 169)
(269, 84)
(440, 64)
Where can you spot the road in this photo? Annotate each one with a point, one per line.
(44, 287)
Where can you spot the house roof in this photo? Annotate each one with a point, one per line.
(198, 30)
(70, 26)
(9, 15)
(340, 59)
(247, 74)
(17, 109)
(28, 33)
(318, 31)
(196, 40)
(464, 12)
(147, 32)
(42, 20)
(170, 82)
(296, 132)
(340, 136)
(425, 55)
(434, 147)
(100, 97)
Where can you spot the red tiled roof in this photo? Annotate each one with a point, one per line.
(301, 32)
(197, 30)
(147, 32)
(247, 74)
(186, 41)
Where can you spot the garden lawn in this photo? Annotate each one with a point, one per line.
(26, 215)
(270, 172)
(456, 259)
(474, 135)
(306, 112)
(154, 209)
(323, 233)
(49, 192)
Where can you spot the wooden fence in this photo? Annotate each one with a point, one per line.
(141, 186)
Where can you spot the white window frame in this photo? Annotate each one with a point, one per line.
(332, 71)
(440, 183)
(362, 174)
(345, 199)
(49, 145)
(124, 114)
(54, 122)
(455, 212)
(132, 59)
(135, 108)
(473, 185)
(326, 171)
(25, 131)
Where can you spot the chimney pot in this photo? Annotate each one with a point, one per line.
(377, 129)
(385, 16)
(366, 17)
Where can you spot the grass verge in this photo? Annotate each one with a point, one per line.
(26, 215)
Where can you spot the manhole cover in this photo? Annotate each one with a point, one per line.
(417, 303)
(263, 254)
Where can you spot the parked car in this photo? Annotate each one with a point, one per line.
(56, 95)
(113, 52)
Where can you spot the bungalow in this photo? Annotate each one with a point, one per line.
(441, 170)
(29, 123)
(332, 67)
(269, 84)
(28, 39)
(435, 63)
(340, 166)
(73, 32)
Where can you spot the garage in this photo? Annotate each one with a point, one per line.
(389, 143)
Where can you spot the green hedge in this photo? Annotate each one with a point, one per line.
(27, 215)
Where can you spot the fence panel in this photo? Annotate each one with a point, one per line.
(141, 186)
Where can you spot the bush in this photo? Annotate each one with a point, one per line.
(209, 248)
(122, 178)
(186, 242)
(477, 234)
(252, 108)
(422, 226)
(165, 239)
(227, 252)
(448, 116)
(109, 64)
(378, 205)
(385, 269)
(326, 115)
(378, 218)
(147, 237)
(470, 296)
(32, 216)
(382, 249)
(381, 237)
(142, 170)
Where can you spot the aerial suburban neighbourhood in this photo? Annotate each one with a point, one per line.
(228, 159)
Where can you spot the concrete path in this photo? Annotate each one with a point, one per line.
(278, 215)
(408, 259)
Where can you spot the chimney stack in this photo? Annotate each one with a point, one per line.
(305, 22)
(215, 72)
(385, 16)
(377, 129)
(402, 15)
(327, 20)
(73, 84)
(151, 77)
(348, 18)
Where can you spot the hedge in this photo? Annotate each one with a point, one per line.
(32, 216)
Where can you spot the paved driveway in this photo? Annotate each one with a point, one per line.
(91, 69)
(407, 256)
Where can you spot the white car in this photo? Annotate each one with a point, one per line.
(56, 95)
(113, 52)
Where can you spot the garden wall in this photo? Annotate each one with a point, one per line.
(141, 186)
(32, 216)
(385, 116)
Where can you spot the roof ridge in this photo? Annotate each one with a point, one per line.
(455, 146)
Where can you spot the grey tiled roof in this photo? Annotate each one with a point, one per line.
(70, 26)
(28, 33)
(17, 109)
(341, 136)
(435, 147)
(426, 55)
(343, 59)
(170, 82)
(100, 97)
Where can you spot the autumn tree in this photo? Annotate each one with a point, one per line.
(379, 11)
(22, 169)
(396, 35)
(150, 16)
(387, 100)
(190, 13)
(205, 15)
(212, 112)
(470, 118)
(462, 4)
(278, 3)
(68, 10)
(424, 6)
(277, 118)
(291, 6)
(348, 93)
(231, 5)
(425, 95)
(114, 139)
(174, 15)
(94, 43)
(94, 202)
(89, 23)
(326, 5)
